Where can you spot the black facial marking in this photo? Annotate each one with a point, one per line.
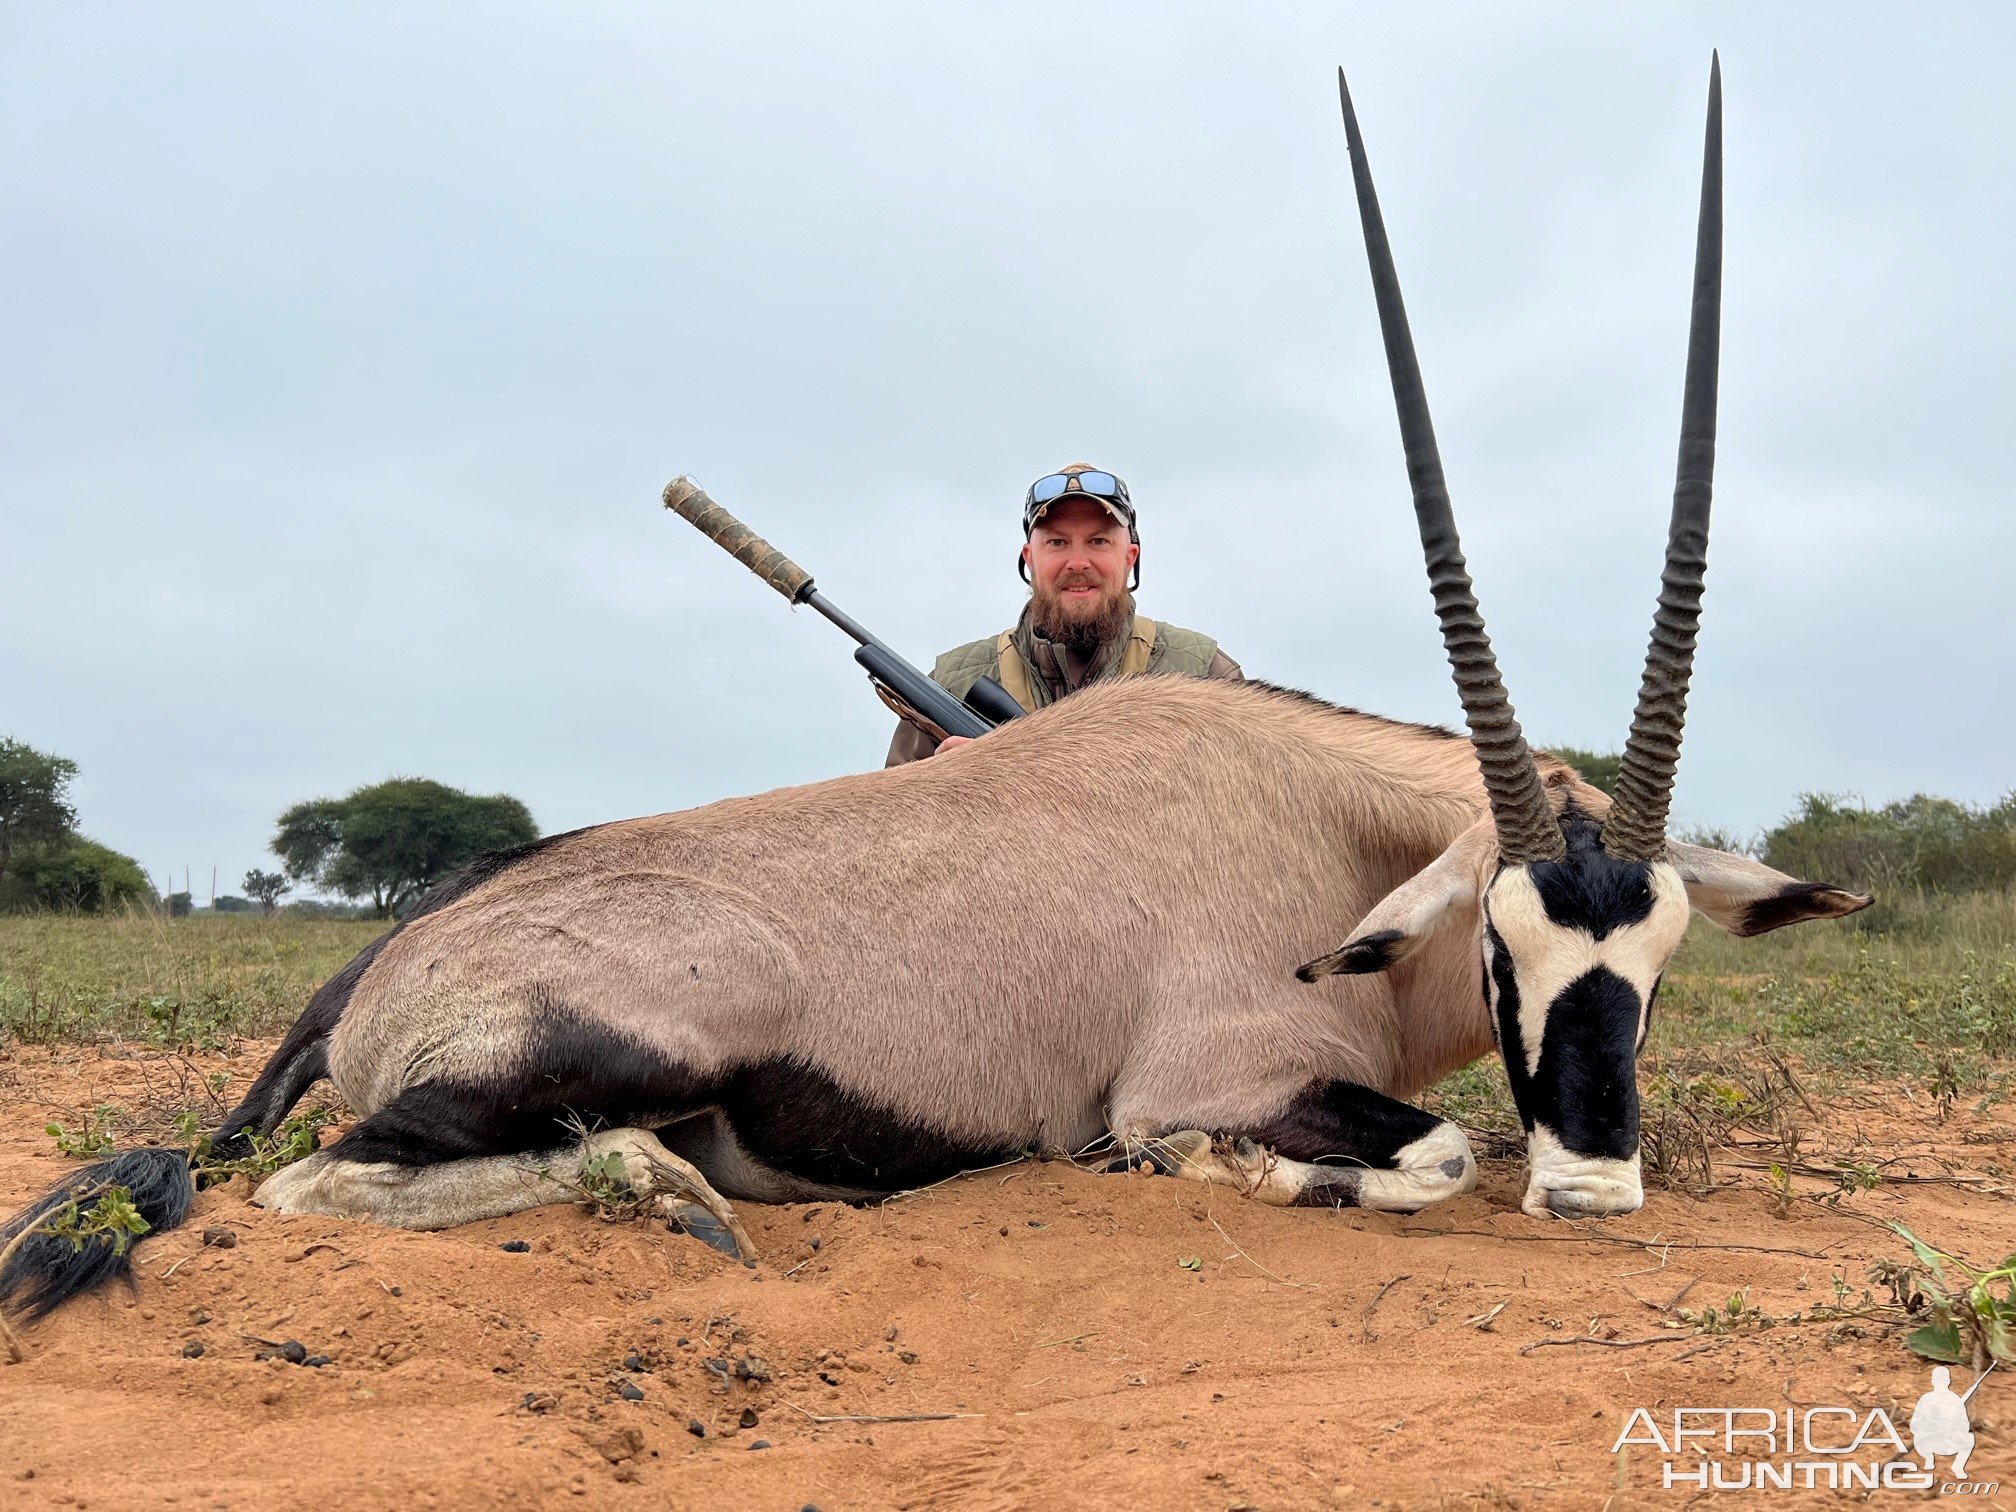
(1499, 973)
(1587, 889)
(1341, 1121)
(1795, 903)
(1586, 1086)
(1651, 1000)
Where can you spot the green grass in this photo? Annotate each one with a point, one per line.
(186, 981)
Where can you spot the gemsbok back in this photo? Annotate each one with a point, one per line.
(1077, 935)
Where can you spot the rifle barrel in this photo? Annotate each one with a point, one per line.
(689, 500)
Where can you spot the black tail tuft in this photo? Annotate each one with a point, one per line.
(44, 1272)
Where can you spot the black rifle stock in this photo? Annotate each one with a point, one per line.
(901, 686)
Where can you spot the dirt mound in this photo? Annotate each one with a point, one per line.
(1032, 1336)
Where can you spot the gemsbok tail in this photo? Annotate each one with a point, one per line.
(43, 1270)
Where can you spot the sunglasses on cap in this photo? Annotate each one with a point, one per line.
(1098, 485)
(1090, 484)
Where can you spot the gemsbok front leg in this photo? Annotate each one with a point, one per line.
(1336, 1145)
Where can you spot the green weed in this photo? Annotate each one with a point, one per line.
(111, 1218)
(1972, 1323)
(298, 1137)
(92, 1140)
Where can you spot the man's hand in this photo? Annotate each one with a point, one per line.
(951, 741)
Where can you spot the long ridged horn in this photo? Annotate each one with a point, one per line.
(1636, 828)
(1527, 830)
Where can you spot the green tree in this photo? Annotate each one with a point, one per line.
(392, 841)
(266, 888)
(75, 874)
(1599, 770)
(33, 805)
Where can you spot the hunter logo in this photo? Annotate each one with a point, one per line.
(1813, 1448)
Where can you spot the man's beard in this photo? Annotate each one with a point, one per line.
(1084, 634)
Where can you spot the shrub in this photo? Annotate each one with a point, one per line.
(75, 875)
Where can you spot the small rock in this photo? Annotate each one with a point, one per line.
(749, 1418)
(695, 1427)
(219, 1237)
(759, 1443)
(623, 1444)
(630, 1392)
(752, 1368)
(193, 1350)
(634, 1361)
(655, 1322)
(539, 1401)
(515, 1247)
(198, 1316)
(815, 1244)
(293, 1351)
(1004, 1231)
(889, 1333)
(316, 1362)
(907, 1356)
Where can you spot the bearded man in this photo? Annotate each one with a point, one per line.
(1080, 543)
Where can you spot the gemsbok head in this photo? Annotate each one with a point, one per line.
(1579, 911)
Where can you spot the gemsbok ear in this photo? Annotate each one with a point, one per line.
(1747, 897)
(1402, 920)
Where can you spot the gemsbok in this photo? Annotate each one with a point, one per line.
(1078, 934)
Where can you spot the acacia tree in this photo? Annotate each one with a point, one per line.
(266, 889)
(392, 841)
(33, 805)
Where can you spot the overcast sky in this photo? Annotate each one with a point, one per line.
(348, 349)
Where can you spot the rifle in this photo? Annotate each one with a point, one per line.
(907, 692)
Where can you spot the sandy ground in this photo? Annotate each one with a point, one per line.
(1096, 1340)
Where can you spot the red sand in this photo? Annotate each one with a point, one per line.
(1105, 1340)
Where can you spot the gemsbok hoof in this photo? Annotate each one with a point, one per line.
(691, 1218)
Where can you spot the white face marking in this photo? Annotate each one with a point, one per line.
(1581, 1186)
(1547, 956)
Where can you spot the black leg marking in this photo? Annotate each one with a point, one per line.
(795, 1118)
(572, 1073)
(1342, 1121)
